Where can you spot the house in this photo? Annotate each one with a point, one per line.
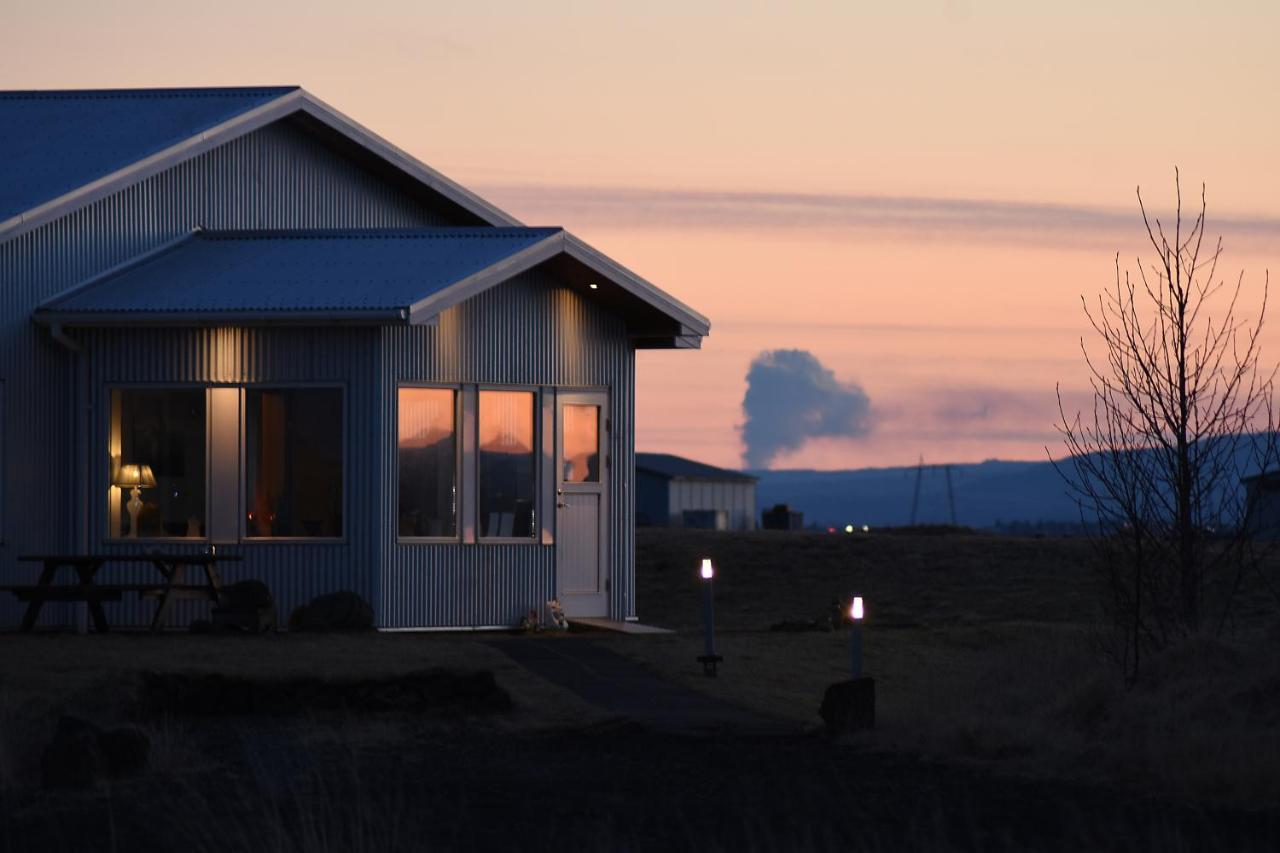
(1262, 503)
(235, 318)
(672, 491)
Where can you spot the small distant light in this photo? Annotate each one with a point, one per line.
(593, 286)
(831, 530)
(708, 572)
(866, 528)
(855, 609)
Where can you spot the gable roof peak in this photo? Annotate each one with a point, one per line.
(63, 149)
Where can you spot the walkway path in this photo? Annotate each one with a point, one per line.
(608, 680)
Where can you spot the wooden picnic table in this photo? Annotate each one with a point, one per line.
(172, 568)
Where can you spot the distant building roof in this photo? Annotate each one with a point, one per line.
(677, 467)
(357, 276)
(52, 143)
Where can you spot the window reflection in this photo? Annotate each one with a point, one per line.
(506, 463)
(580, 448)
(293, 450)
(427, 450)
(158, 436)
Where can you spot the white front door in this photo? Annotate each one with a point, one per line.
(582, 472)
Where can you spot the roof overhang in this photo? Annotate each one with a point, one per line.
(654, 318)
(684, 327)
(295, 103)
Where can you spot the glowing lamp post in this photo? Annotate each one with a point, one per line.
(850, 706)
(855, 636)
(709, 659)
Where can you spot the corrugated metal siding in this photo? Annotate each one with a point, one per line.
(277, 177)
(295, 572)
(531, 331)
(737, 497)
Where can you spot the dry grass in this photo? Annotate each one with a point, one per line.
(984, 649)
(44, 676)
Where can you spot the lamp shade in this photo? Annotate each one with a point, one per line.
(135, 476)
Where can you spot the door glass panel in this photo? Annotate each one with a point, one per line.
(580, 449)
(507, 464)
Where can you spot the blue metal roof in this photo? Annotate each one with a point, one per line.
(349, 275)
(676, 467)
(52, 143)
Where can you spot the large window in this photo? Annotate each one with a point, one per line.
(427, 449)
(293, 461)
(157, 462)
(507, 470)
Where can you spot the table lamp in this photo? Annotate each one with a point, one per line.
(135, 478)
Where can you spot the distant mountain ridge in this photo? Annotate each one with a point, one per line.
(986, 494)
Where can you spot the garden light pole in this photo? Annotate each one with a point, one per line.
(855, 637)
(709, 659)
(850, 706)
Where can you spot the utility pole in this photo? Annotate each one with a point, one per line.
(915, 498)
(951, 497)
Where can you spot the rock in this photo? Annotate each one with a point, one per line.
(246, 595)
(73, 759)
(245, 606)
(337, 611)
(849, 706)
(126, 751)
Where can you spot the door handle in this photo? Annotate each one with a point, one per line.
(562, 505)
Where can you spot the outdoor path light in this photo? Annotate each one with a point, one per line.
(850, 706)
(855, 636)
(709, 659)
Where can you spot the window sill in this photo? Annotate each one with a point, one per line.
(507, 540)
(428, 540)
(293, 540)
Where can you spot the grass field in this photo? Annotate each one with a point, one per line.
(985, 649)
(1001, 723)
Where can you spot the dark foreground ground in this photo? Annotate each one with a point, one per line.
(1001, 725)
(610, 787)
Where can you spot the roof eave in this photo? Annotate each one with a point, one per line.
(202, 319)
(692, 324)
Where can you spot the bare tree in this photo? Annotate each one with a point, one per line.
(1182, 411)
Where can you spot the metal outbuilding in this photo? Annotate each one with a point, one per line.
(332, 361)
(672, 491)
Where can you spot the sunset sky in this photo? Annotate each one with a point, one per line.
(916, 193)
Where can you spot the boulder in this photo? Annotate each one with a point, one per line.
(337, 611)
(245, 595)
(126, 751)
(849, 706)
(245, 606)
(81, 753)
(73, 759)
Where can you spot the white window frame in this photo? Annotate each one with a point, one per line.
(245, 538)
(459, 479)
(538, 463)
(113, 538)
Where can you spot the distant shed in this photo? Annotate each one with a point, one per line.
(1262, 502)
(672, 491)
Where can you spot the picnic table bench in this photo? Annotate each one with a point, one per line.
(167, 589)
